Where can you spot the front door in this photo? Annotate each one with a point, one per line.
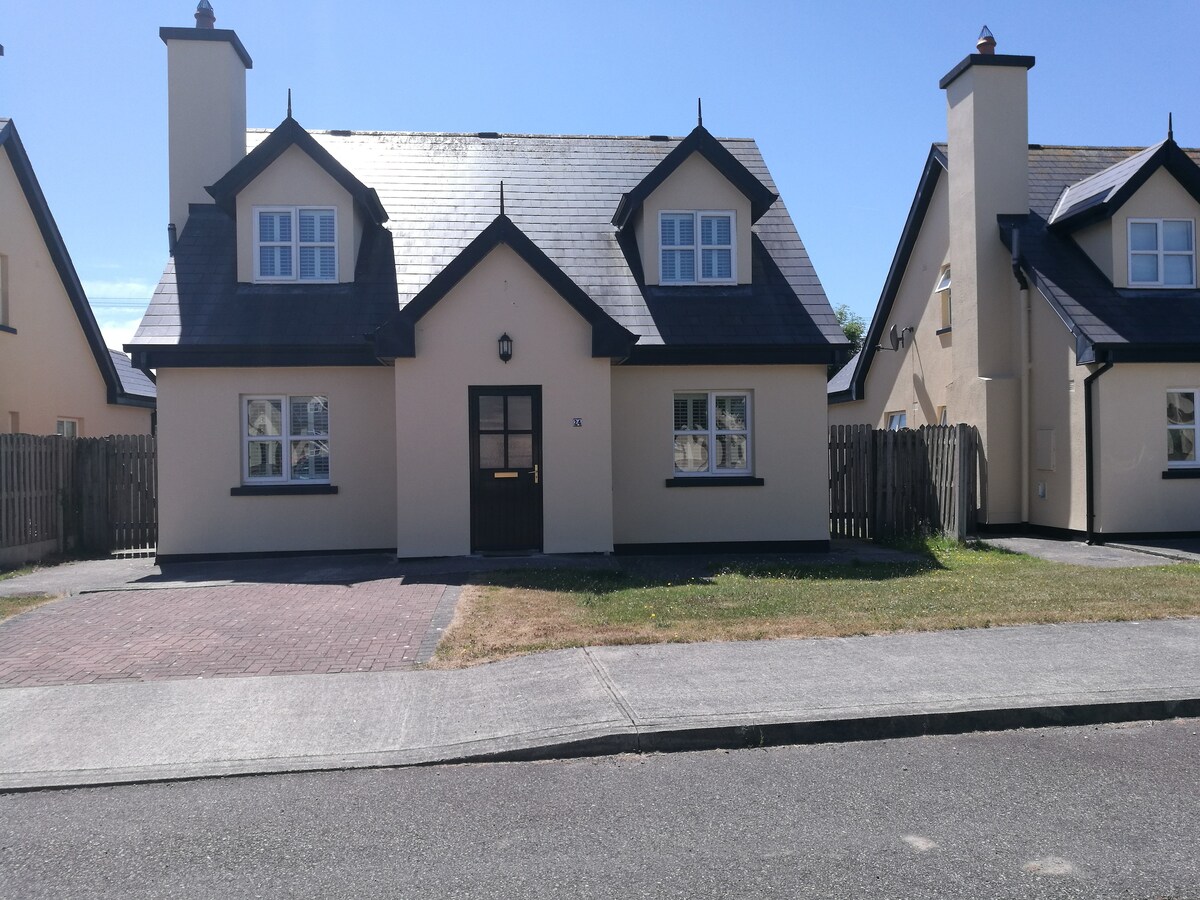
(506, 464)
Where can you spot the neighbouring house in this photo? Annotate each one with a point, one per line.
(56, 374)
(443, 344)
(1048, 296)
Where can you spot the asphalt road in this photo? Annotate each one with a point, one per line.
(1111, 811)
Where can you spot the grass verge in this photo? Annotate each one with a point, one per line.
(10, 606)
(945, 586)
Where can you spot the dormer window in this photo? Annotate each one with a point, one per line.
(295, 243)
(1162, 253)
(697, 247)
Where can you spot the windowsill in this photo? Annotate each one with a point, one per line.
(1181, 473)
(946, 330)
(673, 284)
(716, 481)
(8, 329)
(281, 490)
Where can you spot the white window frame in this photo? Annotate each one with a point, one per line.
(295, 243)
(1160, 253)
(892, 417)
(66, 424)
(712, 432)
(1194, 428)
(943, 289)
(285, 437)
(698, 247)
(4, 290)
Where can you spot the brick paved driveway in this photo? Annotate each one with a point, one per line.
(215, 631)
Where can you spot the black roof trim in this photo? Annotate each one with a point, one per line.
(397, 337)
(754, 355)
(57, 248)
(208, 34)
(699, 141)
(935, 165)
(150, 356)
(985, 59)
(1169, 156)
(291, 133)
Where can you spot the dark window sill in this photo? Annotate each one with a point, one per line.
(8, 329)
(1182, 473)
(281, 490)
(946, 330)
(716, 481)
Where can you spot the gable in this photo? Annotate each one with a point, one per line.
(294, 179)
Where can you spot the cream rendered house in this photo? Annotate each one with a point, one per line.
(1047, 295)
(446, 344)
(56, 375)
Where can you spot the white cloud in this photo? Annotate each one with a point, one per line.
(117, 327)
(119, 290)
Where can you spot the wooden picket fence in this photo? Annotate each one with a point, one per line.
(77, 495)
(885, 484)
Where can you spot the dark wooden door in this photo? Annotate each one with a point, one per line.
(506, 469)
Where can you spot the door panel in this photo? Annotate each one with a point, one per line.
(506, 459)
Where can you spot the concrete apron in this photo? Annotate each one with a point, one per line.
(602, 700)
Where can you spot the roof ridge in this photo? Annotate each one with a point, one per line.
(494, 135)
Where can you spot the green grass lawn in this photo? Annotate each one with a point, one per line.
(947, 586)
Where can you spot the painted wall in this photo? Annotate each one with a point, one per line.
(1097, 242)
(1132, 495)
(47, 370)
(919, 377)
(295, 180)
(1161, 197)
(456, 348)
(694, 185)
(206, 119)
(789, 447)
(200, 459)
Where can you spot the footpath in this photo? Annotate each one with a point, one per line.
(601, 700)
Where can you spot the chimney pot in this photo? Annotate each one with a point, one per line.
(205, 17)
(985, 45)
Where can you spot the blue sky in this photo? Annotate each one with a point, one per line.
(841, 97)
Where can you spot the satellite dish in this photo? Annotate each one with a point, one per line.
(895, 338)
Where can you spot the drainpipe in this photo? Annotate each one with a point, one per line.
(1023, 299)
(1088, 453)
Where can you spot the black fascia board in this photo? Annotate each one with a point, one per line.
(396, 338)
(1146, 353)
(725, 355)
(57, 248)
(985, 59)
(290, 133)
(1169, 156)
(226, 35)
(935, 165)
(699, 141)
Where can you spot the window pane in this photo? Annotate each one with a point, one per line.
(266, 227)
(308, 262)
(714, 230)
(267, 267)
(520, 414)
(943, 281)
(691, 412)
(1181, 445)
(1181, 408)
(731, 413)
(678, 265)
(265, 459)
(716, 264)
(687, 231)
(520, 451)
(325, 228)
(1143, 236)
(731, 451)
(687, 265)
(328, 262)
(491, 413)
(308, 226)
(310, 415)
(1177, 269)
(668, 233)
(491, 451)
(284, 255)
(264, 417)
(1177, 236)
(670, 266)
(691, 453)
(1143, 268)
(310, 460)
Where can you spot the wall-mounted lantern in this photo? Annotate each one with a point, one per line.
(505, 345)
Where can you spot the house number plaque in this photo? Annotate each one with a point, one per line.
(577, 423)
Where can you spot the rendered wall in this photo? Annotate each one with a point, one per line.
(455, 349)
(1132, 495)
(200, 459)
(295, 180)
(47, 370)
(695, 184)
(789, 447)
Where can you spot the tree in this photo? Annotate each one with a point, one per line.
(854, 325)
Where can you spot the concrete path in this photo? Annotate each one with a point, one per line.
(1103, 556)
(602, 700)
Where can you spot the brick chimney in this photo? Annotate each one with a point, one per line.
(206, 108)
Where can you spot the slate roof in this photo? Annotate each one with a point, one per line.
(134, 381)
(440, 191)
(117, 390)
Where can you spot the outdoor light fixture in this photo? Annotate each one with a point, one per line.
(505, 344)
